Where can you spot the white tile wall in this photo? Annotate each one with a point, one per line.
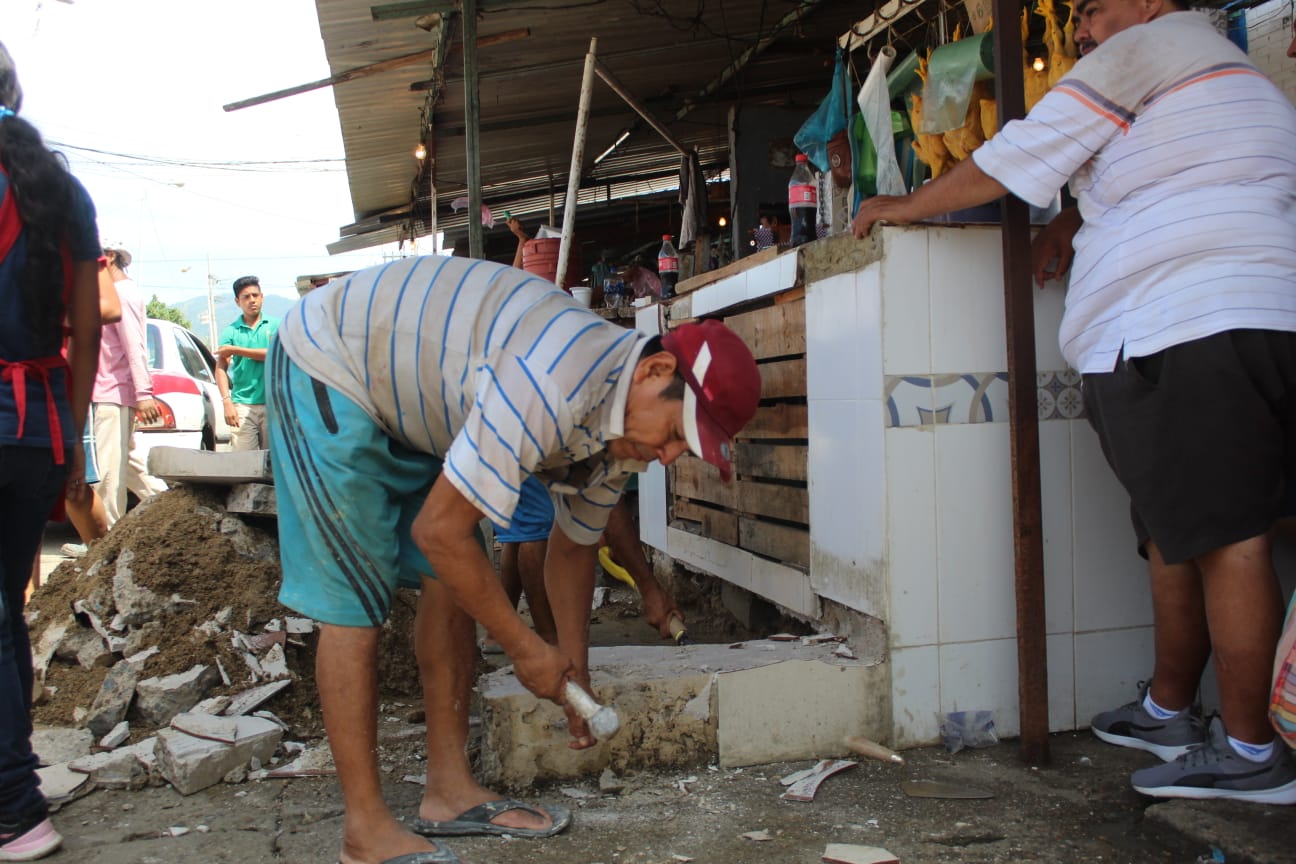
(1056, 509)
(834, 347)
(906, 302)
(967, 310)
(1111, 583)
(1108, 667)
(976, 676)
(911, 536)
(974, 532)
(1061, 681)
(915, 695)
(847, 500)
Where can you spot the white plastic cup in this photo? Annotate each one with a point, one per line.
(581, 295)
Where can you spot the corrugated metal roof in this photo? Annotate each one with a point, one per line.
(677, 56)
(671, 57)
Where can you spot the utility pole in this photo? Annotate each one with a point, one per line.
(211, 306)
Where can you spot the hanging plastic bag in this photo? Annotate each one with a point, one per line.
(873, 135)
(827, 120)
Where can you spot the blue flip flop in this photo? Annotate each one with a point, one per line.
(478, 820)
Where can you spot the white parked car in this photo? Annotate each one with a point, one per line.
(184, 385)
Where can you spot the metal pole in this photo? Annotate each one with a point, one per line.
(577, 160)
(472, 129)
(1023, 415)
(211, 307)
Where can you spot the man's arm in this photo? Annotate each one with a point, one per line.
(569, 584)
(965, 186)
(136, 346)
(223, 385)
(445, 531)
(1053, 247)
(227, 351)
(110, 308)
(83, 360)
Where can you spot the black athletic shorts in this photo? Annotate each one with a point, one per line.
(1202, 436)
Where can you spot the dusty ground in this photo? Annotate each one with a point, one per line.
(1080, 809)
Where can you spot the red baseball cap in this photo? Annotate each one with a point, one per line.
(723, 389)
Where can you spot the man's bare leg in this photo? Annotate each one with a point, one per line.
(1245, 611)
(346, 670)
(444, 644)
(530, 565)
(622, 538)
(1180, 636)
(88, 516)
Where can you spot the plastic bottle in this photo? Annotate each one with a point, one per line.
(668, 267)
(803, 201)
(614, 290)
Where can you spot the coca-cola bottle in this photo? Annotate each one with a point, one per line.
(803, 201)
(668, 267)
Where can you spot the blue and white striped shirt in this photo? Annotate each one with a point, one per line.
(1182, 157)
(494, 370)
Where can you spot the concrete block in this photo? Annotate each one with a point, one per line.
(121, 770)
(53, 746)
(192, 764)
(257, 499)
(800, 709)
(114, 697)
(76, 639)
(157, 700)
(50, 639)
(226, 468)
(207, 726)
(116, 737)
(137, 605)
(689, 706)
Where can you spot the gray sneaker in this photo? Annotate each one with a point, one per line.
(1131, 726)
(1215, 770)
(74, 550)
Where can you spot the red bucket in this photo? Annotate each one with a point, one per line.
(540, 256)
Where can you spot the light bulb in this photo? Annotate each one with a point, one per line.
(420, 152)
(723, 221)
(1038, 65)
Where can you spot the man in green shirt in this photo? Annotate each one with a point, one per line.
(240, 367)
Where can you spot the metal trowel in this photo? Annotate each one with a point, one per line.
(940, 789)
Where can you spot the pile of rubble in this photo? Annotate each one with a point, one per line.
(164, 656)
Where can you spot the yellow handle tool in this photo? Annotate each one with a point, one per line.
(615, 570)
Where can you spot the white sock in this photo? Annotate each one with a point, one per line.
(1156, 710)
(1252, 752)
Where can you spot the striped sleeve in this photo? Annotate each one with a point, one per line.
(1035, 156)
(517, 417)
(584, 497)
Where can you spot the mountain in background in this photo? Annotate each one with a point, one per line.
(195, 309)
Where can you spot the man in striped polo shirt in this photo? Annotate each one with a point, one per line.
(408, 401)
(1181, 315)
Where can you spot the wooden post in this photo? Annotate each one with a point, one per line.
(1023, 414)
(577, 160)
(472, 129)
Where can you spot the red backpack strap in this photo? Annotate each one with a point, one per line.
(10, 222)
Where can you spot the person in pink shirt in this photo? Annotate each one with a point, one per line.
(123, 389)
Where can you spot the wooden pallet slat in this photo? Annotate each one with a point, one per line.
(778, 421)
(780, 542)
(771, 461)
(719, 525)
(775, 331)
(783, 379)
(789, 503)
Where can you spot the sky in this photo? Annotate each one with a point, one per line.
(131, 92)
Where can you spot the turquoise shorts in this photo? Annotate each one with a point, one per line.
(533, 518)
(347, 495)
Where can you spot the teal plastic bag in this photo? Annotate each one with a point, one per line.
(829, 118)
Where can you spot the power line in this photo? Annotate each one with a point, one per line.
(264, 165)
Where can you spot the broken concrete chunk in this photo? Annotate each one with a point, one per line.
(846, 853)
(74, 640)
(262, 641)
(141, 638)
(255, 498)
(87, 617)
(805, 788)
(315, 762)
(609, 783)
(248, 700)
(140, 656)
(116, 737)
(761, 836)
(94, 654)
(60, 785)
(191, 764)
(48, 643)
(53, 746)
(157, 700)
(299, 625)
(136, 604)
(275, 664)
(208, 726)
(224, 468)
(211, 705)
(114, 697)
(120, 771)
